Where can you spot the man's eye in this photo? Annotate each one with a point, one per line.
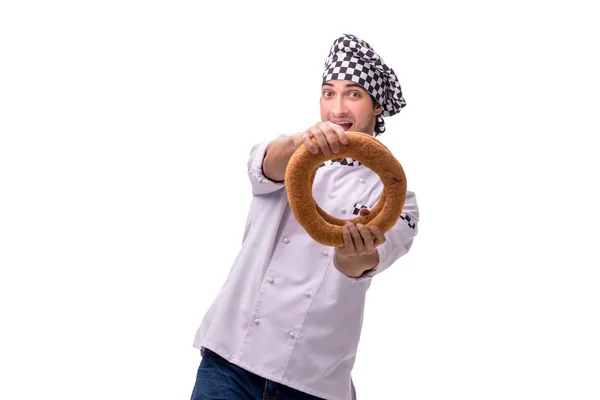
(354, 94)
(326, 94)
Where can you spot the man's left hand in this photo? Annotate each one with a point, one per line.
(359, 253)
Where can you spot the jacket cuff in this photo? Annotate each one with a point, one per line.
(260, 183)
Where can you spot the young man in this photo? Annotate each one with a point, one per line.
(286, 323)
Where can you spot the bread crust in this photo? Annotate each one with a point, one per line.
(324, 228)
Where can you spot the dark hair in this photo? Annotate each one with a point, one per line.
(379, 126)
(379, 122)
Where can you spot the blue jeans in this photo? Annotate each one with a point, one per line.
(218, 379)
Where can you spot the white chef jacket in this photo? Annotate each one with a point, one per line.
(285, 312)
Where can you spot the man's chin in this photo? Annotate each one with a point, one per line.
(363, 130)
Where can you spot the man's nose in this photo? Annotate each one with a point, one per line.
(339, 107)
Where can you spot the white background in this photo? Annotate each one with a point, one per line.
(125, 129)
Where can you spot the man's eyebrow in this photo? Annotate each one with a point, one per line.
(349, 85)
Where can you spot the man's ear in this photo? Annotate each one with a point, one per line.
(378, 110)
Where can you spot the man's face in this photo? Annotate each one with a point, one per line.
(349, 105)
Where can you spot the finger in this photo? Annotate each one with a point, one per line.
(339, 131)
(364, 211)
(357, 239)
(330, 136)
(348, 243)
(321, 140)
(379, 236)
(367, 238)
(308, 143)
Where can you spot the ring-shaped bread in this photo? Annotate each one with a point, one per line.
(324, 228)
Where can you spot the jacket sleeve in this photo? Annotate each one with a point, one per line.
(260, 183)
(399, 239)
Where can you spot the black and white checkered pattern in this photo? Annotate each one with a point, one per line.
(350, 162)
(407, 218)
(355, 60)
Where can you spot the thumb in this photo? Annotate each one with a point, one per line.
(364, 211)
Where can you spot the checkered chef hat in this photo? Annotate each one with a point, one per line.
(355, 60)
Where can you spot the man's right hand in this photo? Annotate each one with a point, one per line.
(328, 136)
